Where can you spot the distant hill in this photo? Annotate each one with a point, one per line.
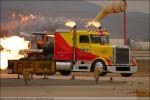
(53, 15)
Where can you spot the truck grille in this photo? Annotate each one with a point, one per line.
(122, 55)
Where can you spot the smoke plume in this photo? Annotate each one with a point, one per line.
(28, 23)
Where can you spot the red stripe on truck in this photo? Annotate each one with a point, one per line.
(62, 50)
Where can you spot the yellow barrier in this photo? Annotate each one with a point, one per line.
(26, 75)
(97, 71)
(37, 66)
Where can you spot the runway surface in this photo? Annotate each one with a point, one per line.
(81, 86)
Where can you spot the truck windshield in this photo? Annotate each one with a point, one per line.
(99, 39)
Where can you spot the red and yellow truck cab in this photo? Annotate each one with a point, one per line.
(83, 50)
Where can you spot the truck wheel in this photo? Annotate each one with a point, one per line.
(126, 74)
(65, 72)
(100, 64)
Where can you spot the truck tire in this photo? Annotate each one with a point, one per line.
(126, 74)
(65, 72)
(101, 64)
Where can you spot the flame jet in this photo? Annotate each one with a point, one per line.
(117, 6)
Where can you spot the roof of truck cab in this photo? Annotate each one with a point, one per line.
(94, 32)
(42, 33)
(87, 32)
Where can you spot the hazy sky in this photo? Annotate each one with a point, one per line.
(52, 14)
(132, 5)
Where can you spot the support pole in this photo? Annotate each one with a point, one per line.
(125, 24)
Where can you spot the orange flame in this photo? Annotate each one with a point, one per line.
(13, 15)
(93, 24)
(23, 18)
(27, 18)
(70, 24)
(11, 47)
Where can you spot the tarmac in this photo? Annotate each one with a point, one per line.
(81, 86)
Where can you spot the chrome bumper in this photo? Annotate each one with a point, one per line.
(122, 69)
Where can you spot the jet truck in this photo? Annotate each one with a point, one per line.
(74, 50)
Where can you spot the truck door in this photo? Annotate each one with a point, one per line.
(84, 47)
